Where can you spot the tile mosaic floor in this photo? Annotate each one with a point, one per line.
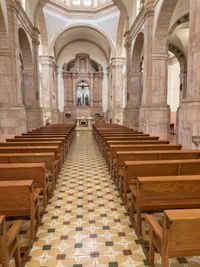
(85, 223)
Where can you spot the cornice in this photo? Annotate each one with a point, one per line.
(23, 18)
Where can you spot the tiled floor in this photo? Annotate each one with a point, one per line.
(85, 223)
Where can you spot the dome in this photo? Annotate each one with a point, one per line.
(84, 4)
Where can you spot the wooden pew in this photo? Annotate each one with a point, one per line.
(121, 156)
(155, 194)
(106, 151)
(38, 139)
(19, 199)
(18, 143)
(101, 141)
(9, 242)
(128, 138)
(24, 171)
(114, 149)
(179, 236)
(26, 155)
(133, 169)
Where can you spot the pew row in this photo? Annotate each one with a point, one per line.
(158, 193)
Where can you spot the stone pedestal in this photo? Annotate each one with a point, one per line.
(189, 123)
(131, 117)
(12, 121)
(154, 120)
(189, 113)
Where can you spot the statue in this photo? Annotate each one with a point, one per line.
(79, 101)
(86, 100)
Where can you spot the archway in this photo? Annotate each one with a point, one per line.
(135, 83)
(29, 94)
(155, 113)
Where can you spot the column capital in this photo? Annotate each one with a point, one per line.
(160, 56)
(47, 60)
(35, 36)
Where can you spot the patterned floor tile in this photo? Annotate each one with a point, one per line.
(85, 224)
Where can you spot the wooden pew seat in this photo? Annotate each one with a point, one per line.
(19, 199)
(179, 236)
(157, 193)
(30, 171)
(9, 242)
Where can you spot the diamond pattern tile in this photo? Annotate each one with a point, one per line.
(85, 224)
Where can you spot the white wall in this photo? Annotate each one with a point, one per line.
(173, 95)
(69, 53)
(55, 22)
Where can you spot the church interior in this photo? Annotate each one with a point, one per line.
(99, 133)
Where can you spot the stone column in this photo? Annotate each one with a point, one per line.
(133, 99)
(31, 86)
(116, 72)
(100, 89)
(12, 112)
(189, 114)
(74, 88)
(95, 89)
(154, 112)
(68, 89)
(47, 84)
(92, 91)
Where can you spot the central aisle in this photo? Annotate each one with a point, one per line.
(85, 223)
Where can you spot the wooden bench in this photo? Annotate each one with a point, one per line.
(30, 171)
(38, 139)
(155, 194)
(9, 242)
(19, 199)
(133, 169)
(179, 236)
(121, 156)
(102, 137)
(58, 144)
(18, 156)
(114, 149)
(129, 143)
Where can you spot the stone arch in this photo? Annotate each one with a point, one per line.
(27, 74)
(179, 21)
(120, 35)
(182, 87)
(137, 52)
(118, 3)
(43, 34)
(87, 26)
(162, 26)
(135, 84)
(25, 47)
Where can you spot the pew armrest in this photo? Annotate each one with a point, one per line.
(154, 225)
(13, 232)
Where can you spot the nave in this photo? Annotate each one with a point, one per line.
(86, 223)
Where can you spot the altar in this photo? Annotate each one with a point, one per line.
(84, 121)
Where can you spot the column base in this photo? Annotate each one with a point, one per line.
(12, 121)
(189, 124)
(155, 120)
(118, 116)
(131, 117)
(33, 117)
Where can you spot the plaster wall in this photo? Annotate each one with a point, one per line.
(173, 94)
(55, 22)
